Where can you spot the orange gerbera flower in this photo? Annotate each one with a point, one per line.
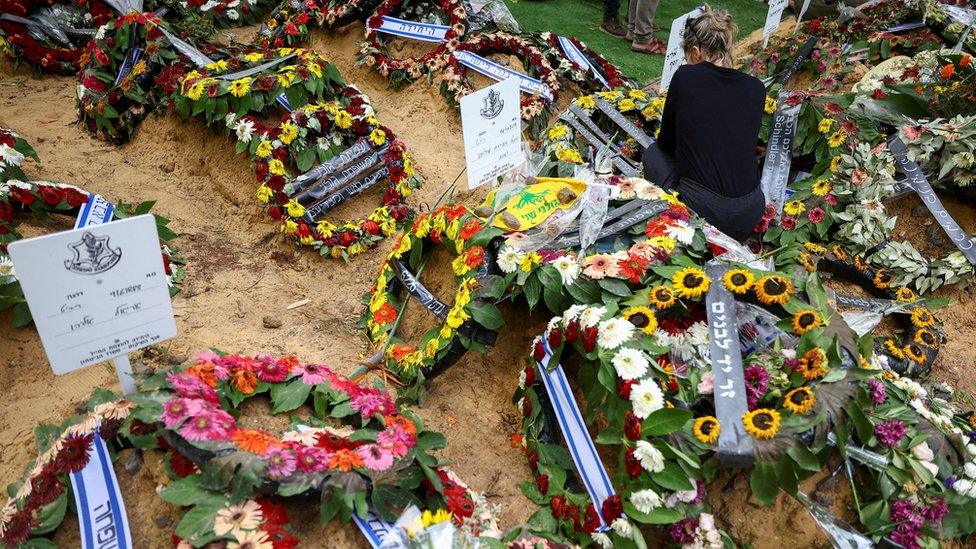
(948, 71)
(244, 380)
(345, 460)
(290, 362)
(474, 257)
(204, 371)
(253, 440)
(398, 352)
(402, 422)
(385, 314)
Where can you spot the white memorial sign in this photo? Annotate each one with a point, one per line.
(491, 120)
(675, 56)
(97, 292)
(773, 17)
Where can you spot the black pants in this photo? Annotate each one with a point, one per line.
(734, 216)
(611, 9)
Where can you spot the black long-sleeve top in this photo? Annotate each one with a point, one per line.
(711, 124)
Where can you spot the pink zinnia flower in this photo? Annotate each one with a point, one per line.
(311, 459)
(375, 458)
(313, 374)
(202, 428)
(176, 411)
(188, 386)
(788, 222)
(368, 403)
(816, 215)
(396, 440)
(281, 462)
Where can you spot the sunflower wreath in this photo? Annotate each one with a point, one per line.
(456, 82)
(914, 353)
(579, 75)
(565, 147)
(115, 87)
(316, 133)
(60, 55)
(38, 503)
(379, 455)
(655, 405)
(375, 54)
(466, 323)
(250, 83)
(42, 199)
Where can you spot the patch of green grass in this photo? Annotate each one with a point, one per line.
(581, 19)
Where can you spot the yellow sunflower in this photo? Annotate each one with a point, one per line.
(738, 281)
(835, 163)
(661, 296)
(859, 265)
(800, 400)
(813, 364)
(836, 139)
(914, 353)
(825, 125)
(690, 282)
(240, 87)
(821, 187)
(882, 279)
(893, 348)
(706, 429)
(773, 288)
(815, 248)
(643, 318)
(906, 295)
(762, 423)
(807, 260)
(805, 320)
(922, 318)
(926, 338)
(794, 208)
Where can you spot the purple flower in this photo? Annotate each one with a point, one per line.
(907, 537)
(904, 511)
(948, 482)
(877, 391)
(937, 510)
(281, 462)
(757, 381)
(891, 432)
(683, 531)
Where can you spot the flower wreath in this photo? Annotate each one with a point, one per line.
(223, 13)
(301, 76)
(565, 149)
(112, 108)
(42, 55)
(922, 334)
(468, 316)
(42, 198)
(581, 76)
(375, 54)
(380, 453)
(288, 25)
(947, 27)
(653, 403)
(315, 133)
(938, 84)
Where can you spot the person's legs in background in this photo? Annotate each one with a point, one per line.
(640, 27)
(611, 18)
(659, 168)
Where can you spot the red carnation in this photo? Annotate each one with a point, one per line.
(18, 528)
(371, 227)
(632, 425)
(275, 212)
(555, 338)
(589, 339)
(592, 521)
(279, 538)
(613, 508)
(533, 460)
(21, 195)
(301, 18)
(558, 505)
(542, 483)
(347, 238)
(45, 488)
(529, 376)
(273, 512)
(632, 464)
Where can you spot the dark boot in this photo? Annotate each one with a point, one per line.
(613, 27)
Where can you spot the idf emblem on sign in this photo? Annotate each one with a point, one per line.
(493, 105)
(92, 255)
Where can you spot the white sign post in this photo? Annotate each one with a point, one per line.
(773, 17)
(675, 56)
(96, 293)
(491, 121)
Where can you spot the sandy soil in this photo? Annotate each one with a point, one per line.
(239, 271)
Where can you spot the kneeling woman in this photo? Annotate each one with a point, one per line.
(706, 149)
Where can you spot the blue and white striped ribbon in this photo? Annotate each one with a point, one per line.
(101, 511)
(97, 211)
(579, 59)
(578, 440)
(411, 29)
(131, 58)
(373, 527)
(498, 72)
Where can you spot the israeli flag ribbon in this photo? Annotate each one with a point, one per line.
(578, 440)
(425, 32)
(101, 511)
(97, 211)
(373, 527)
(498, 72)
(131, 58)
(579, 59)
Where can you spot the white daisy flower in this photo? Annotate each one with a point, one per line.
(10, 156)
(573, 312)
(623, 528)
(682, 232)
(614, 332)
(602, 540)
(645, 500)
(509, 259)
(591, 316)
(568, 269)
(646, 397)
(630, 364)
(651, 459)
(245, 130)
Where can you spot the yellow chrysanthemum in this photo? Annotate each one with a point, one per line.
(264, 149)
(568, 154)
(288, 133)
(690, 282)
(456, 316)
(821, 187)
(773, 288)
(216, 66)
(529, 261)
(276, 167)
(254, 57)
(558, 131)
(377, 137)
(637, 95)
(836, 139)
(586, 102)
(315, 69)
(794, 208)
(294, 208)
(762, 423)
(825, 125)
(835, 163)
(343, 119)
(195, 92)
(706, 429)
(240, 87)
(661, 296)
(264, 193)
(286, 78)
(738, 281)
(432, 347)
(626, 105)
(771, 104)
(642, 318)
(325, 229)
(800, 400)
(805, 320)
